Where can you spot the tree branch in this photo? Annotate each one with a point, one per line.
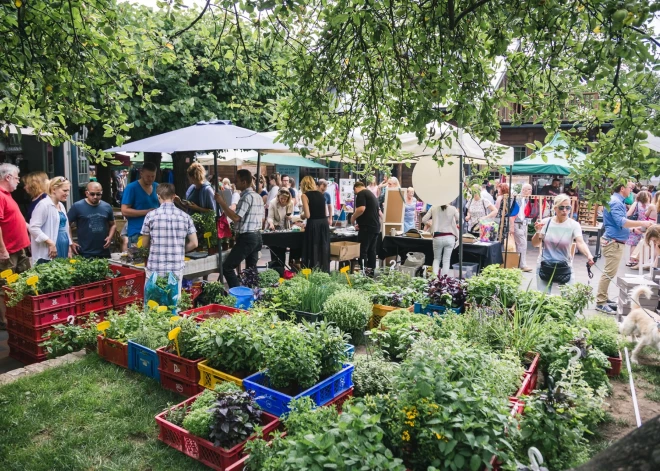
(469, 10)
(179, 33)
(645, 34)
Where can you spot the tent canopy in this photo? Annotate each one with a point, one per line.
(556, 153)
(292, 160)
(204, 136)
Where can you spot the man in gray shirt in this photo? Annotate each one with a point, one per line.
(95, 222)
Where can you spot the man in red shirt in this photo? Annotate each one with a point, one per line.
(13, 231)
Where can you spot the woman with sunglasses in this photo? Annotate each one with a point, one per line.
(49, 226)
(555, 235)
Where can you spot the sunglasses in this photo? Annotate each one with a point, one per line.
(94, 194)
(564, 208)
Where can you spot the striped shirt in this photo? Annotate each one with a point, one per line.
(251, 210)
(168, 228)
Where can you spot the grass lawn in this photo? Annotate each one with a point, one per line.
(88, 415)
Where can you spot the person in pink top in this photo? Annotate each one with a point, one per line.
(13, 231)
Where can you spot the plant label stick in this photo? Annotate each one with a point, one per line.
(174, 335)
(207, 236)
(103, 326)
(32, 281)
(306, 272)
(173, 319)
(152, 304)
(6, 273)
(139, 243)
(12, 278)
(161, 309)
(344, 270)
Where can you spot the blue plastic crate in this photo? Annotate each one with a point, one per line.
(433, 309)
(143, 360)
(349, 351)
(277, 403)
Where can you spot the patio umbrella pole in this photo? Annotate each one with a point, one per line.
(460, 216)
(217, 214)
(258, 171)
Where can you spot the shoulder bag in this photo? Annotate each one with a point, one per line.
(553, 270)
(635, 216)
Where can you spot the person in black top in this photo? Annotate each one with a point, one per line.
(316, 241)
(368, 219)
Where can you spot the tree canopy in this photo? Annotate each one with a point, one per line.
(321, 69)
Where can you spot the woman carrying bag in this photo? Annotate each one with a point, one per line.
(555, 235)
(477, 210)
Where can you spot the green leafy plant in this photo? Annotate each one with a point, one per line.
(89, 270)
(603, 334)
(399, 329)
(348, 309)
(55, 275)
(353, 441)
(330, 345)
(578, 295)
(520, 332)
(556, 307)
(185, 301)
(291, 357)
(494, 282)
(235, 417)
(214, 292)
(67, 338)
(373, 375)
(205, 222)
(268, 278)
(234, 344)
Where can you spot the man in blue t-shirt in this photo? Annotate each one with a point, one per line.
(139, 198)
(95, 222)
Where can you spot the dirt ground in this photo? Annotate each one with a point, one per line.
(620, 404)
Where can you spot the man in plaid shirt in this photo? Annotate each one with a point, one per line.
(170, 232)
(248, 218)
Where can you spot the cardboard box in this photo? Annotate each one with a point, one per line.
(344, 250)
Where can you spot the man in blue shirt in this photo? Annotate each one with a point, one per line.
(139, 198)
(95, 222)
(617, 229)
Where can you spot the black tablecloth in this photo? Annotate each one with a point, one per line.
(484, 255)
(294, 240)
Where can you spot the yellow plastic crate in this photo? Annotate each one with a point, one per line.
(379, 311)
(208, 377)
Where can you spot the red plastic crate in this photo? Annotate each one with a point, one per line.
(121, 308)
(48, 302)
(113, 351)
(13, 324)
(14, 312)
(211, 310)
(338, 401)
(30, 346)
(93, 290)
(202, 450)
(59, 315)
(178, 367)
(100, 303)
(24, 357)
(127, 288)
(36, 334)
(178, 385)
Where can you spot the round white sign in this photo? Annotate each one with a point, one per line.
(434, 184)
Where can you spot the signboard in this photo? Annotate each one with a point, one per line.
(291, 171)
(346, 189)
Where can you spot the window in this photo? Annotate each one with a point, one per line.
(519, 153)
(83, 170)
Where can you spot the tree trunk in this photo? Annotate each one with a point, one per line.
(637, 451)
(181, 161)
(155, 158)
(104, 177)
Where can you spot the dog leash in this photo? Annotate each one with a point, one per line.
(591, 275)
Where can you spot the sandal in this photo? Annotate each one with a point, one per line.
(630, 264)
(634, 267)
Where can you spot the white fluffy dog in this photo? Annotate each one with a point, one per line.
(641, 323)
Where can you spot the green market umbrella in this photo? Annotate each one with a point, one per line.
(551, 159)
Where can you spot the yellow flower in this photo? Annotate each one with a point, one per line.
(405, 436)
(272, 326)
(439, 437)
(410, 423)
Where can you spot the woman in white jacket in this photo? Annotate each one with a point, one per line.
(445, 234)
(49, 226)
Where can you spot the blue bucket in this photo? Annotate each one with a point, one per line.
(244, 297)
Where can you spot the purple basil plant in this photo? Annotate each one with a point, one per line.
(441, 288)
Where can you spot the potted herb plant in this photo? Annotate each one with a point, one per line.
(219, 423)
(443, 293)
(350, 310)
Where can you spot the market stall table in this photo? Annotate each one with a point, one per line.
(194, 268)
(294, 239)
(483, 253)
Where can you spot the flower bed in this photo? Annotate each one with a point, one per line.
(203, 450)
(276, 402)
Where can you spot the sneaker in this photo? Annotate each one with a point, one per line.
(607, 309)
(526, 269)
